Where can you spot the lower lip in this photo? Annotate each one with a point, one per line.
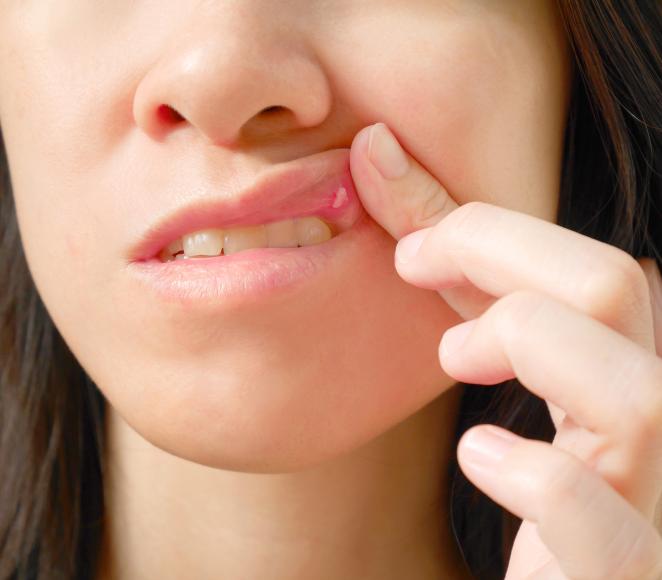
(248, 275)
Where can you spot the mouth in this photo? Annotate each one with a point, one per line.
(300, 204)
(289, 226)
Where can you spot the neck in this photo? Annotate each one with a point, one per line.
(380, 511)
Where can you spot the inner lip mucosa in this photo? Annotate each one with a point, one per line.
(287, 233)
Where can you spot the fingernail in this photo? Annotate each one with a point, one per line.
(453, 339)
(407, 248)
(486, 446)
(385, 153)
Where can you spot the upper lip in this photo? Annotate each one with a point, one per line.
(298, 187)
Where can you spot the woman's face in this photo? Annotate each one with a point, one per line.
(276, 380)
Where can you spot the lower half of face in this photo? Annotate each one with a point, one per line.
(315, 368)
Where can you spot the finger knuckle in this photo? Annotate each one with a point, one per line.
(615, 285)
(568, 481)
(639, 553)
(432, 204)
(467, 218)
(630, 553)
(515, 312)
(646, 397)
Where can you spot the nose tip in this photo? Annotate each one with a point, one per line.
(232, 82)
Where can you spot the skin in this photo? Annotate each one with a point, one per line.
(591, 500)
(214, 470)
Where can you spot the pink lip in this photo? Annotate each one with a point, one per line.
(300, 188)
(320, 185)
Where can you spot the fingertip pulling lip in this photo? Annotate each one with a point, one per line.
(318, 185)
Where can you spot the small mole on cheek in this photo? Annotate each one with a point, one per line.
(340, 198)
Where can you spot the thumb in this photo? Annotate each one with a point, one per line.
(398, 192)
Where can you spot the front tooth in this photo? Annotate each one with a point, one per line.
(203, 243)
(282, 234)
(311, 230)
(238, 239)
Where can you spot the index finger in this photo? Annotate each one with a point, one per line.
(500, 250)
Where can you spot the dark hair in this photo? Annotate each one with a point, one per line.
(52, 414)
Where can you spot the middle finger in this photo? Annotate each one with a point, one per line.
(608, 384)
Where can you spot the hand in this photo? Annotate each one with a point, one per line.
(579, 323)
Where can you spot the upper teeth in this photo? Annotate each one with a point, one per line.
(290, 233)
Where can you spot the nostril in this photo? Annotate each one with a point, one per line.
(167, 114)
(273, 109)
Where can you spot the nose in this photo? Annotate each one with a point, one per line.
(232, 73)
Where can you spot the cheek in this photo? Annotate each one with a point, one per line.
(50, 105)
(61, 119)
(480, 102)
